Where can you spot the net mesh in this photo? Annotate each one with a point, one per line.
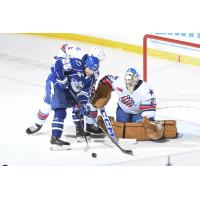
(173, 70)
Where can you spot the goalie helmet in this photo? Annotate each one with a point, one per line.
(97, 52)
(131, 79)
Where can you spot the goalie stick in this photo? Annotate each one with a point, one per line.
(110, 132)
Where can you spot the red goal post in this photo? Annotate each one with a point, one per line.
(173, 56)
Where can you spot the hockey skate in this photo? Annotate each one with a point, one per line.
(81, 134)
(58, 144)
(95, 131)
(33, 129)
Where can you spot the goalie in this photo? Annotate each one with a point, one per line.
(136, 107)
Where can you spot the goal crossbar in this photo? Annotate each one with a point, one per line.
(164, 39)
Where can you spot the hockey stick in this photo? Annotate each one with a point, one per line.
(110, 132)
(87, 145)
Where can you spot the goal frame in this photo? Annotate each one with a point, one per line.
(164, 39)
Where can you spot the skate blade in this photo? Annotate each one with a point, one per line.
(60, 148)
(98, 136)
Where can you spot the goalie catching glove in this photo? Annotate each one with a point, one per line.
(154, 129)
(102, 94)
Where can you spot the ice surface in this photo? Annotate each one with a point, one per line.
(24, 66)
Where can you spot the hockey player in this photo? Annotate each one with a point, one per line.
(136, 101)
(136, 98)
(78, 119)
(72, 85)
(68, 51)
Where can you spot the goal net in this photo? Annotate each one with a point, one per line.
(172, 67)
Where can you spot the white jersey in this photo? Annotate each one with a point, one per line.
(70, 51)
(141, 101)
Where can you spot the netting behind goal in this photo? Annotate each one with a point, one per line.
(172, 67)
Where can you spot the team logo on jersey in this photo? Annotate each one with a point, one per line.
(76, 85)
(151, 92)
(127, 100)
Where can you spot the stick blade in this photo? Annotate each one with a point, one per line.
(129, 152)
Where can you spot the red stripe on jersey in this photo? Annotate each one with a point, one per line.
(107, 82)
(147, 107)
(93, 114)
(42, 115)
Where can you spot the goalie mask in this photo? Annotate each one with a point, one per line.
(131, 79)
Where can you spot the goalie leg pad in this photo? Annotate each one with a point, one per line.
(154, 130)
(101, 124)
(138, 131)
(170, 130)
(126, 130)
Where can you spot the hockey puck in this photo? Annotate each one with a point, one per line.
(94, 155)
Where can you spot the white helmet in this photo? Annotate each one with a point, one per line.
(97, 52)
(75, 52)
(70, 51)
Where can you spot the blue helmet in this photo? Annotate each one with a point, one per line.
(92, 63)
(132, 71)
(131, 79)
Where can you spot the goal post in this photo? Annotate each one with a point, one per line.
(166, 54)
(172, 68)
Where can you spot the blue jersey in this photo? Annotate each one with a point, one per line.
(63, 65)
(80, 85)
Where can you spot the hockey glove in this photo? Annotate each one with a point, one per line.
(85, 110)
(63, 83)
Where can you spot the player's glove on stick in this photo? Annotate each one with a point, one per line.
(85, 110)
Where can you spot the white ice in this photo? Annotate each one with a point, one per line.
(24, 66)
